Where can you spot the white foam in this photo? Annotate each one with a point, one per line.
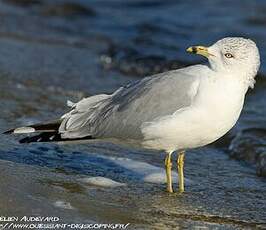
(148, 173)
(63, 204)
(158, 178)
(101, 181)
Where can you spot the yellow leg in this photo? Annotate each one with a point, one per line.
(180, 164)
(168, 169)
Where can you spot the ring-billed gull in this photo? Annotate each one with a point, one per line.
(172, 111)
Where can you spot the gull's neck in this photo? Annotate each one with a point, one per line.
(245, 75)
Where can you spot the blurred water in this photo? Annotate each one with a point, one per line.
(51, 51)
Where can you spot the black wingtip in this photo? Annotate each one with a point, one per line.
(10, 131)
(49, 137)
(27, 140)
(42, 137)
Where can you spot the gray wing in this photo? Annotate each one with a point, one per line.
(121, 114)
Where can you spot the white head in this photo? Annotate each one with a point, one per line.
(233, 55)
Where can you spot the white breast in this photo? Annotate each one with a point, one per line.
(213, 113)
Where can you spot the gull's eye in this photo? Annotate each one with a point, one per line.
(228, 55)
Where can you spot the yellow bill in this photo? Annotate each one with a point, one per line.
(201, 50)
